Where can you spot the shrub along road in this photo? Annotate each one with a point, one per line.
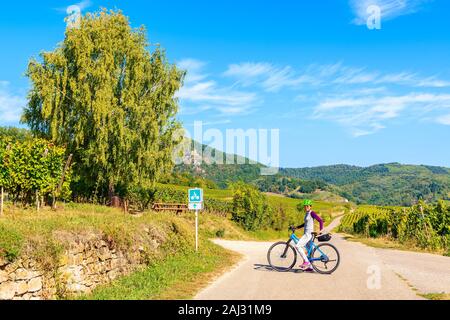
(403, 275)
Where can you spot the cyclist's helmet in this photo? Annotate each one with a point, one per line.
(307, 203)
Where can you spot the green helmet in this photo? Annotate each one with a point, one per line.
(307, 203)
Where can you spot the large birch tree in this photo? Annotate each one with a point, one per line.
(110, 99)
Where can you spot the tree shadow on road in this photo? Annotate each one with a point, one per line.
(264, 267)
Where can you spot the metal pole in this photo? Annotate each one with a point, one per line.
(196, 230)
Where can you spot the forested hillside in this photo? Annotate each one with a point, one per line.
(383, 184)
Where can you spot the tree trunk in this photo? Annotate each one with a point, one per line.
(125, 205)
(61, 182)
(111, 192)
(53, 201)
(1, 202)
(37, 201)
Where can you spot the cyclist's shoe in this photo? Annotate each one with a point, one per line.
(306, 266)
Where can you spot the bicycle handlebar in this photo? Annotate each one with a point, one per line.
(293, 229)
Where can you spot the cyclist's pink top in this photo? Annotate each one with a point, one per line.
(319, 219)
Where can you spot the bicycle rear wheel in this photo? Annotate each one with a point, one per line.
(282, 257)
(325, 258)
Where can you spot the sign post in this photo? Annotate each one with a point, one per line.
(196, 203)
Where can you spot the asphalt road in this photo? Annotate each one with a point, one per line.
(364, 273)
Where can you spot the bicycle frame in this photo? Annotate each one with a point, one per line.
(312, 247)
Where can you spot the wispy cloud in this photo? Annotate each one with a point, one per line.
(445, 119)
(201, 93)
(363, 101)
(248, 70)
(83, 5)
(11, 105)
(364, 115)
(270, 77)
(274, 78)
(390, 9)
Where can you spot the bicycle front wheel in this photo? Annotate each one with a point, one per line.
(325, 258)
(282, 257)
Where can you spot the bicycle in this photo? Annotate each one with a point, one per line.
(282, 256)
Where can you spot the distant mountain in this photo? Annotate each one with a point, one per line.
(201, 160)
(383, 184)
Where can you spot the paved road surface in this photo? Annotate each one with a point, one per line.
(252, 278)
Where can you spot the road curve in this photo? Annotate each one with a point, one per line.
(365, 273)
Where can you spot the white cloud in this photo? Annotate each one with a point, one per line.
(390, 9)
(445, 120)
(194, 68)
(11, 105)
(248, 70)
(85, 4)
(209, 92)
(201, 93)
(363, 101)
(365, 115)
(274, 78)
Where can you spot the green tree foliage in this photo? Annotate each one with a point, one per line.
(189, 180)
(4, 168)
(33, 167)
(223, 175)
(250, 207)
(15, 134)
(110, 100)
(283, 184)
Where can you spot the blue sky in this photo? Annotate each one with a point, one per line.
(338, 91)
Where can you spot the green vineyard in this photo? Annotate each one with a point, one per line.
(374, 212)
(426, 226)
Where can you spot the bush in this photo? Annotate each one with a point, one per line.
(427, 226)
(33, 168)
(218, 207)
(10, 243)
(250, 207)
(220, 233)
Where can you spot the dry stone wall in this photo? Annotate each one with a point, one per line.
(88, 261)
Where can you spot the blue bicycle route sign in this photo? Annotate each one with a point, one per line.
(195, 195)
(196, 203)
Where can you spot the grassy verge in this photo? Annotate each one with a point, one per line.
(436, 296)
(36, 234)
(175, 278)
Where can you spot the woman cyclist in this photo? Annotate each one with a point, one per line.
(308, 226)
